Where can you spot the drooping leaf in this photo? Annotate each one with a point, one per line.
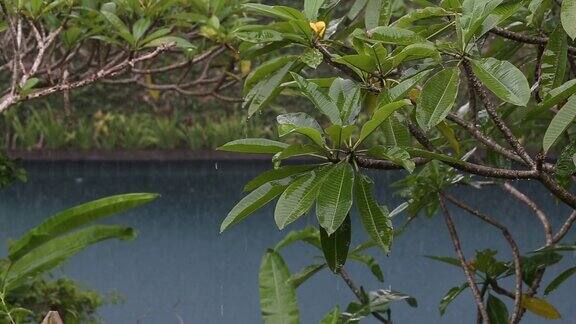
(567, 15)
(396, 155)
(554, 61)
(319, 99)
(413, 16)
(450, 296)
(540, 307)
(119, 26)
(254, 201)
(380, 300)
(370, 262)
(73, 218)
(298, 198)
(375, 218)
(497, 311)
(335, 197)
(415, 52)
(254, 145)
(302, 276)
(560, 279)
(278, 302)
(438, 97)
(503, 79)
(309, 235)
(445, 259)
(277, 174)
(54, 252)
(300, 123)
(380, 115)
(565, 116)
(335, 247)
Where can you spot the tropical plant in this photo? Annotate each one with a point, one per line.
(474, 92)
(164, 46)
(51, 243)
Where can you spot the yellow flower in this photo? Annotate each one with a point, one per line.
(319, 28)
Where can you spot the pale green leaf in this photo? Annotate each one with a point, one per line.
(278, 302)
(319, 99)
(554, 61)
(438, 97)
(567, 15)
(335, 197)
(380, 115)
(254, 145)
(504, 79)
(560, 123)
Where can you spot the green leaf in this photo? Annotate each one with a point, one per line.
(57, 250)
(298, 150)
(498, 16)
(298, 198)
(254, 145)
(370, 262)
(300, 123)
(285, 13)
(335, 197)
(362, 62)
(433, 156)
(311, 8)
(335, 247)
(380, 115)
(503, 79)
(119, 26)
(416, 52)
(265, 70)
(565, 275)
(178, 41)
(395, 155)
(260, 36)
(278, 301)
(319, 99)
(378, 13)
(401, 89)
(560, 123)
(73, 218)
(540, 307)
(347, 96)
(28, 86)
(305, 274)
(566, 165)
(438, 97)
(395, 132)
(312, 57)
(450, 296)
(395, 35)
(474, 12)
(308, 235)
(140, 27)
(497, 311)
(554, 61)
(254, 201)
(333, 317)
(375, 218)
(339, 135)
(444, 259)
(567, 15)
(558, 95)
(420, 14)
(277, 174)
(267, 89)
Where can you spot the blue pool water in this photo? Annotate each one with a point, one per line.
(180, 269)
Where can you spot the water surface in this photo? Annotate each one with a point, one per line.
(181, 270)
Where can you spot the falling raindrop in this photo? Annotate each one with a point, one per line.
(216, 166)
